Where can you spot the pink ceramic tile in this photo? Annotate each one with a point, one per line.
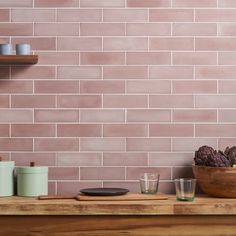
(63, 173)
(126, 130)
(189, 115)
(227, 86)
(16, 144)
(56, 3)
(102, 3)
(148, 144)
(102, 144)
(35, 130)
(226, 142)
(102, 86)
(79, 159)
(227, 58)
(56, 115)
(148, 3)
(102, 29)
(227, 115)
(16, 3)
(5, 130)
(227, 29)
(33, 101)
(4, 101)
(102, 115)
(125, 72)
(81, 130)
(102, 173)
(148, 29)
(16, 29)
(56, 144)
(5, 156)
(125, 159)
(171, 72)
(178, 44)
(52, 188)
(195, 3)
(4, 15)
(171, 130)
(166, 187)
(148, 115)
(16, 115)
(227, 3)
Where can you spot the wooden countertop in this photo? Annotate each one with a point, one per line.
(200, 206)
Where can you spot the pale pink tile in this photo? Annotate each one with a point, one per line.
(170, 159)
(79, 44)
(226, 142)
(148, 58)
(171, 15)
(178, 44)
(16, 115)
(148, 29)
(215, 130)
(4, 40)
(16, 29)
(215, 72)
(182, 172)
(171, 101)
(134, 173)
(227, 29)
(194, 58)
(195, 3)
(171, 130)
(194, 86)
(194, 29)
(189, 115)
(166, 187)
(56, 144)
(63, 173)
(16, 144)
(4, 101)
(4, 15)
(227, 115)
(56, 3)
(227, 86)
(37, 43)
(56, 29)
(102, 173)
(215, 101)
(125, 159)
(33, 15)
(33, 101)
(56, 115)
(5, 130)
(215, 44)
(14, 3)
(33, 72)
(79, 72)
(52, 188)
(215, 15)
(148, 3)
(227, 58)
(125, 130)
(5, 71)
(148, 86)
(72, 188)
(56, 86)
(125, 101)
(148, 144)
(5, 156)
(102, 3)
(125, 72)
(102, 29)
(102, 86)
(227, 3)
(79, 159)
(148, 115)
(102, 115)
(192, 144)
(79, 15)
(33, 130)
(102, 58)
(79, 130)
(102, 144)
(125, 44)
(171, 72)
(79, 101)
(39, 158)
(125, 15)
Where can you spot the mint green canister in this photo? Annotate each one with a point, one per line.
(32, 181)
(7, 178)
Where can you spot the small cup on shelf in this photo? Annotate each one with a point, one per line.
(6, 49)
(23, 49)
(149, 183)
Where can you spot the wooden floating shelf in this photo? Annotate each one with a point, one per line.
(18, 59)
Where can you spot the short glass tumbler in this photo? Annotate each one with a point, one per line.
(149, 183)
(185, 189)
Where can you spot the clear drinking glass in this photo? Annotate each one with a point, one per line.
(185, 189)
(149, 183)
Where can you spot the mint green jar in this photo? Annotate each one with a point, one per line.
(32, 181)
(6, 178)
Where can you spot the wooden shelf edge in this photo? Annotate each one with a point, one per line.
(18, 59)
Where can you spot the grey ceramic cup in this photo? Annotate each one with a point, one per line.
(6, 49)
(22, 49)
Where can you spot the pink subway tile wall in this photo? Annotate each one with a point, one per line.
(121, 87)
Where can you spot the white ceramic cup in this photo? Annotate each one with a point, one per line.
(22, 49)
(6, 49)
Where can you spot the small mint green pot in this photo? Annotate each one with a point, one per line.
(32, 181)
(7, 178)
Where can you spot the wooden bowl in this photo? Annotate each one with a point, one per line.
(216, 181)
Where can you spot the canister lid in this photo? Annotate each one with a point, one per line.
(31, 170)
(7, 163)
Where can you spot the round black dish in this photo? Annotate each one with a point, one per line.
(104, 191)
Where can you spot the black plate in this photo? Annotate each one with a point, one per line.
(104, 191)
